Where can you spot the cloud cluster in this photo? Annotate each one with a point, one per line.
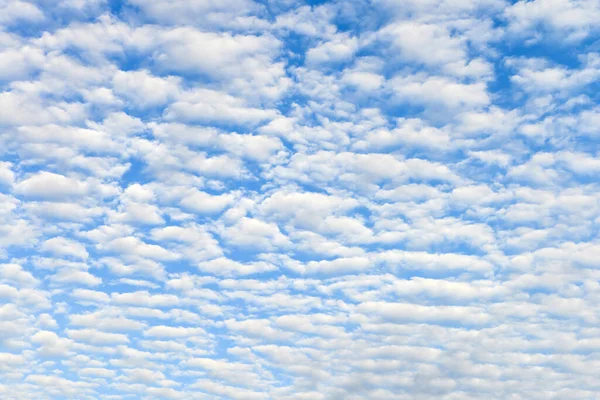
(299, 200)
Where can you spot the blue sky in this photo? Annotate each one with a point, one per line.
(238, 199)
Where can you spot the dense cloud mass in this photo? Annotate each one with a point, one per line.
(299, 200)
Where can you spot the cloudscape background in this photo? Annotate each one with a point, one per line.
(353, 199)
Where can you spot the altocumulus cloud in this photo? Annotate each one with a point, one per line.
(258, 199)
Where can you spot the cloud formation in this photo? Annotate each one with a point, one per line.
(291, 200)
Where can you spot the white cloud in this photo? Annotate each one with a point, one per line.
(50, 344)
(211, 13)
(15, 273)
(17, 11)
(94, 336)
(7, 176)
(138, 213)
(145, 90)
(254, 233)
(90, 295)
(368, 81)
(173, 332)
(439, 92)
(334, 267)
(204, 203)
(106, 322)
(338, 49)
(213, 53)
(19, 64)
(410, 312)
(61, 246)
(52, 186)
(135, 247)
(209, 106)
(73, 212)
(570, 19)
(143, 298)
(19, 108)
(226, 267)
(429, 44)
(75, 277)
(97, 372)
(257, 148)
(538, 75)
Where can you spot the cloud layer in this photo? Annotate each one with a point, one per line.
(299, 200)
